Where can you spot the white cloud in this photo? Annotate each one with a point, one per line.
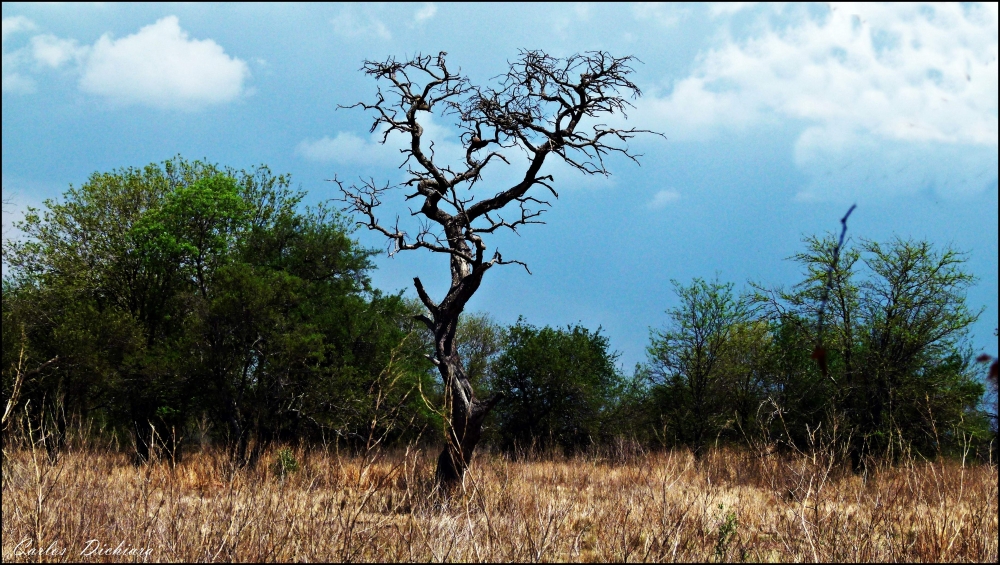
(894, 71)
(664, 197)
(13, 81)
(162, 67)
(159, 66)
(860, 74)
(425, 13)
(662, 13)
(12, 25)
(346, 24)
(345, 148)
(54, 52)
(728, 8)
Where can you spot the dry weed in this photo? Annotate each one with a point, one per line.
(727, 506)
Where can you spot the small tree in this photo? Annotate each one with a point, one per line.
(561, 385)
(898, 358)
(185, 289)
(688, 360)
(542, 106)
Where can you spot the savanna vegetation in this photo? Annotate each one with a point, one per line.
(197, 362)
(624, 505)
(182, 304)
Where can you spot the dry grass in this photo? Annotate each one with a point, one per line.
(728, 506)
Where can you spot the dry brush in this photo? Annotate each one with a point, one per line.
(725, 506)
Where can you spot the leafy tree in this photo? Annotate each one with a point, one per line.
(799, 390)
(479, 340)
(561, 385)
(688, 362)
(899, 360)
(917, 372)
(185, 289)
(749, 369)
(77, 289)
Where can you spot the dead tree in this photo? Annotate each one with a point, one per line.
(542, 106)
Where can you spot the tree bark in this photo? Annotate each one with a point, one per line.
(538, 106)
(466, 412)
(466, 427)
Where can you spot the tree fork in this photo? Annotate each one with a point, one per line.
(541, 107)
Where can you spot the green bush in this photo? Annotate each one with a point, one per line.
(285, 463)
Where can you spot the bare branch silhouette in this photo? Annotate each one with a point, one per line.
(819, 353)
(542, 107)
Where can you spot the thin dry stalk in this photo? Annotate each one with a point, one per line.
(727, 505)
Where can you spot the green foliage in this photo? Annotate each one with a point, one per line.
(479, 340)
(899, 375)
(561, 384)
(285, 463)
(182, 289)
(692, 360)
(900, 360)
(727, 530)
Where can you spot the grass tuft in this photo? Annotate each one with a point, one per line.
(728, 505)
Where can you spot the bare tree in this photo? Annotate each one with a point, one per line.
(542, 106)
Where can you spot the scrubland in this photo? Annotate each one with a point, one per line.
(318, 505)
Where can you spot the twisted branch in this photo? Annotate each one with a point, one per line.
(538, 107)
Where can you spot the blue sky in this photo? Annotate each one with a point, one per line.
(777, 118)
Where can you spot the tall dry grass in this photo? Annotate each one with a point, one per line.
(727, 506)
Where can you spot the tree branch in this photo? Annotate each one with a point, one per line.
(541, 106)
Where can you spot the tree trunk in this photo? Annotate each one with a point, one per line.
(465, 220)
(466, 426)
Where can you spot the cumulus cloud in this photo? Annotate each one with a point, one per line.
(13, 81)
(14, 24)
(899, 72)
(54, 52)
(877, 76)
(161, 66)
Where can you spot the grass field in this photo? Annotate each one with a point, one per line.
(727, 506)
